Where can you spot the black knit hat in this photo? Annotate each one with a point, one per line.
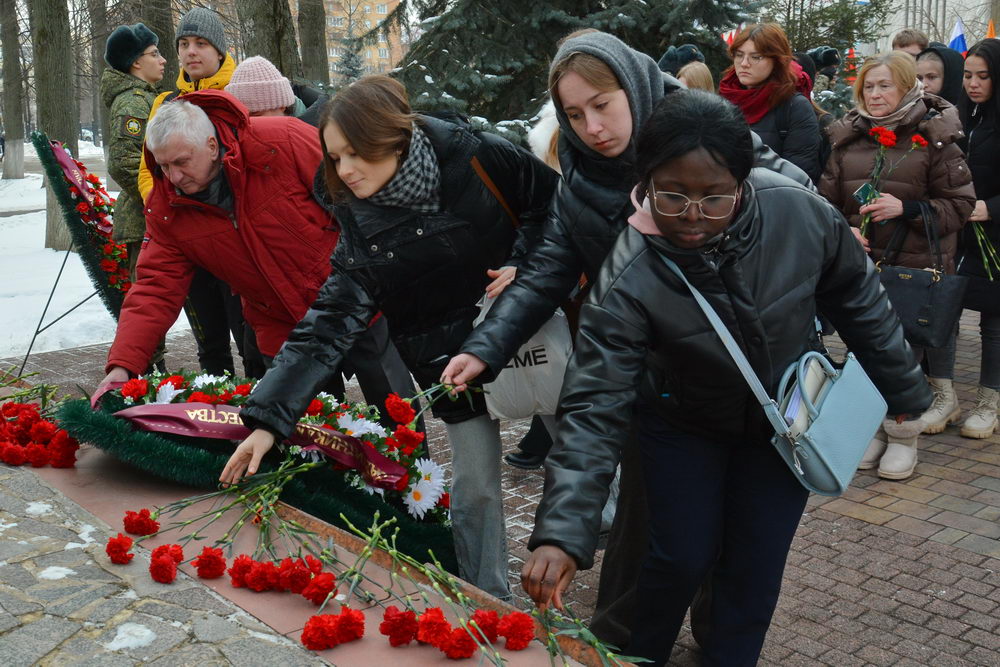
(824, 56)
(676, 57)
(126, 44)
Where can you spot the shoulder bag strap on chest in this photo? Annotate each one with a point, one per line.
(488, 182)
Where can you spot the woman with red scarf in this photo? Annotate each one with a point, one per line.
(772, 91)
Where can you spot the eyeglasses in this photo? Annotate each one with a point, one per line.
(155, 53)
(755, 58)
(713, 207)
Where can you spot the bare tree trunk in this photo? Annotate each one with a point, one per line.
(13, 90)
(53, 52)
(99, 31)
(158, 17)
(268, 31)
(312, 37)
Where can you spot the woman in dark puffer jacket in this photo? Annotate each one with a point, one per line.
(772, 91)
(420, 230)
(718, 492)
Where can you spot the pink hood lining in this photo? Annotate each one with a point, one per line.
(642, 219)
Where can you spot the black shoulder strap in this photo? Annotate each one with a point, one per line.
(783, 121)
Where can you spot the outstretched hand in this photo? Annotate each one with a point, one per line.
(246, 458)
(461, 370)
(546, 575)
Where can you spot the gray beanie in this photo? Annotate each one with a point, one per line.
(204, 23)
(126, 43)
(643, 82)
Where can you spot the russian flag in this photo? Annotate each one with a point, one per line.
(958, 38)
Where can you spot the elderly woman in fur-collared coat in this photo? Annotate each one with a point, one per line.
(888, 95)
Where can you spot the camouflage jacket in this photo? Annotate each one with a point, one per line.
(129, 100)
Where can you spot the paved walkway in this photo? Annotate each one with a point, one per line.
(892, 573)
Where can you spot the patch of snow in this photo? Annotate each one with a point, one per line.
(429, 79)
(38, 508)
(26, 277)
(274, 639)
(22, 194)
(131, 635)
(4, 525)
(55, 573)
(128, 594)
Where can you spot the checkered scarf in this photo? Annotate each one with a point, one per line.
(417, 183)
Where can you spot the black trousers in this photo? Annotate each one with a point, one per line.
(215, 313)
(733, 505)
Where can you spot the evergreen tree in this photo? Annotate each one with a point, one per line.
(491, 58)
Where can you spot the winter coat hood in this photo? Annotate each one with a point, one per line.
(114, 83)
(951, 87)
(988, 50)
(217, 81)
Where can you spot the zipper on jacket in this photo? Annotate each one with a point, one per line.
(232, 219)
(975, 110)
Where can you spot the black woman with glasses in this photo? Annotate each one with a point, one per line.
(765, 253)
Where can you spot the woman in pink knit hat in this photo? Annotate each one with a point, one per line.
(261, 87)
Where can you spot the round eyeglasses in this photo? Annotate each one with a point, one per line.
(713, 207)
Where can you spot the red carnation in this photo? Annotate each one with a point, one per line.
(242, 389)
(118, 549)
(518, 628)
(93, 178)
(200, 397)
(109, 248)
(13, 455)
(918, 140)
(315, 407)
(135, 388)
(432, 628)
(175, 551)
(460, 645)
(176, 380)
(83, 207)
(315, 564)
(140, 523)
(320, 632)
(406, 436)
(239, 569)
(262, 577)
(42, 431)
(294, 576)
(486, 622)
(211, 563)
(403, 482)
(320, 588)
(37, 455)
(350, 625)
(109, 265)
(400, 409)
(399, 626)
(163, 569)
(445, 500)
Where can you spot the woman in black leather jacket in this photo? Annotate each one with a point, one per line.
(420, 229)
(765, 253)
(590, 209)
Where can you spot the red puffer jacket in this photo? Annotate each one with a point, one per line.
(274, 251)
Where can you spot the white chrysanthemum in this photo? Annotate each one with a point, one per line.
(420, 498)
(431, 473)
(325, 395)
(359, 426)
(167, 393)
(206, 379)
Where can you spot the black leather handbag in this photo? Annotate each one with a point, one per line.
(927, 301)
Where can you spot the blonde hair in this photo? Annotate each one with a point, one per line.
(902, 66)
(697, 76)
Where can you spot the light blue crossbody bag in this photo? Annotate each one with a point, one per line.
(824, 417)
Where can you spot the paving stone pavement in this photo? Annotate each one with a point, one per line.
(891, 573)
(63, 603)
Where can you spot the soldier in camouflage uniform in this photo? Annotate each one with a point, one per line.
(128, 88)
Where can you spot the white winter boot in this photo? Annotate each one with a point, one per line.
(944, 409)
(900, 456)
(874, 452)
(982, 421)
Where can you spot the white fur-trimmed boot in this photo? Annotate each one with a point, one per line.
(874, 452)
(900, 456)
(944, 409)
(982, 421)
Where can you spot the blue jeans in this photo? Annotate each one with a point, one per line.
(732, 504)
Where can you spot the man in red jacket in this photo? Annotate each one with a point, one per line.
(233, 195)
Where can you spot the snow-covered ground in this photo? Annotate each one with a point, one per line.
(27, 272)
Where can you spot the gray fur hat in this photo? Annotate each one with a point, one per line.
(204, 23)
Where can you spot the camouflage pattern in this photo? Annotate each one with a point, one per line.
(129, 100)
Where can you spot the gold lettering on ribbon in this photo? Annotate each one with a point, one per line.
(213, 416)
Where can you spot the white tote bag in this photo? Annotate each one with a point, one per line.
(531, 381)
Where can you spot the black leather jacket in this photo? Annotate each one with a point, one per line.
(590, 210)
(643, 338)
(424, 271)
